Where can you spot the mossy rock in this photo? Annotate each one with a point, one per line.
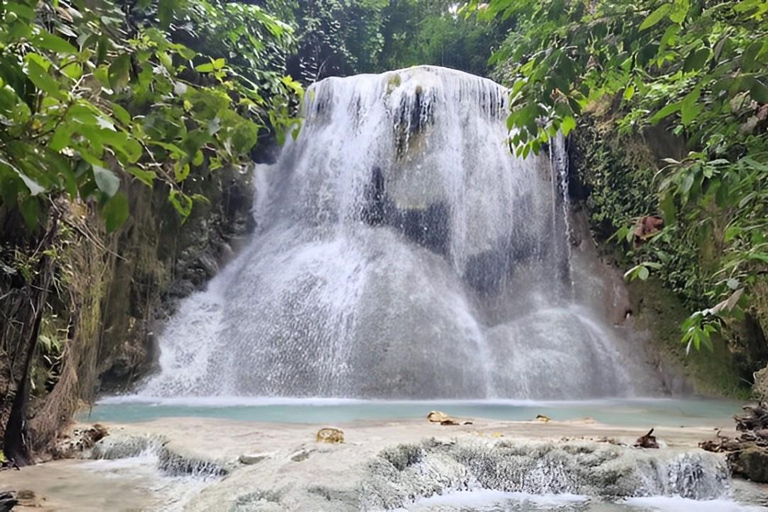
(660, 312)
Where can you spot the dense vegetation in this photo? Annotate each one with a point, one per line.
(88, 94)
(343, 37)
(95, 96)
(699, 69)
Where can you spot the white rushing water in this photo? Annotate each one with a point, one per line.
(402, 251)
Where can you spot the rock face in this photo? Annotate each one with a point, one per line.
(761, 384)
(751, 463)
(164, 261)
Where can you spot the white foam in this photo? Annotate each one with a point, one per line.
(484, 498)
(678, 504)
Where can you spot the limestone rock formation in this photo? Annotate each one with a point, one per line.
(437, 416)
(330, 435)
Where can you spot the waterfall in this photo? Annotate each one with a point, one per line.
(402, 251)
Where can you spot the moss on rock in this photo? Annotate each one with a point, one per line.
(660, 312)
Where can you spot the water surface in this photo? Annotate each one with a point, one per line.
(620, 412)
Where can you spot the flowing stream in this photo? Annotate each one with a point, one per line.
(402, 252)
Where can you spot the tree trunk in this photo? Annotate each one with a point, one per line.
(21, 315)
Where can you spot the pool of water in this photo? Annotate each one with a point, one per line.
(619, 412)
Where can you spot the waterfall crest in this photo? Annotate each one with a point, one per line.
(402, 251)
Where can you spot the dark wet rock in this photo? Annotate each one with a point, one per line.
(253, 458)
(330, 494)
(750, 462)
(301, 455)
(427, 226)
(647, 441)
(7, 501)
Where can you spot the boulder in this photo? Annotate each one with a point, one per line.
(750, 462)
(79, 439)
(437, 417)
(760, 389)
(330, 435)
(7, 501)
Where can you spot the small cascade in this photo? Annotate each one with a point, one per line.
(402, 252)
(404, 474)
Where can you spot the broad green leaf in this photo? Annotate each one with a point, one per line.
(33, 186)
(181, 202)
(655, 17)
(23, 11)
(214, 65)
(668, 209)
(689, 109)
(567, 125)
(73, 71)
(749, 57)
(106, 180)
(43, 62)
(665, 112)
(696, 59)
(679, 11)
(43, 81)
(759, 92)
(629, 92)
(181, 171)
(121, 114)
(53, 43)
(145, 176)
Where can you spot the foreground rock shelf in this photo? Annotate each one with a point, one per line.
(211, 465)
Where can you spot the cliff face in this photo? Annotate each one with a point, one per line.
(612, 177)
(108, 296)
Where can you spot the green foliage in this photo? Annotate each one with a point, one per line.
(343, 37)
(699, 68)
(337, 37)
(433, 32)
(92, 96)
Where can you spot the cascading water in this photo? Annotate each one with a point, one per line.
(402, 252)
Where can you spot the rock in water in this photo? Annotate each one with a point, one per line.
(330, 435)
(647, 441)
(79, 439)
(7, 501)
(437, 417)
(750, 462)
